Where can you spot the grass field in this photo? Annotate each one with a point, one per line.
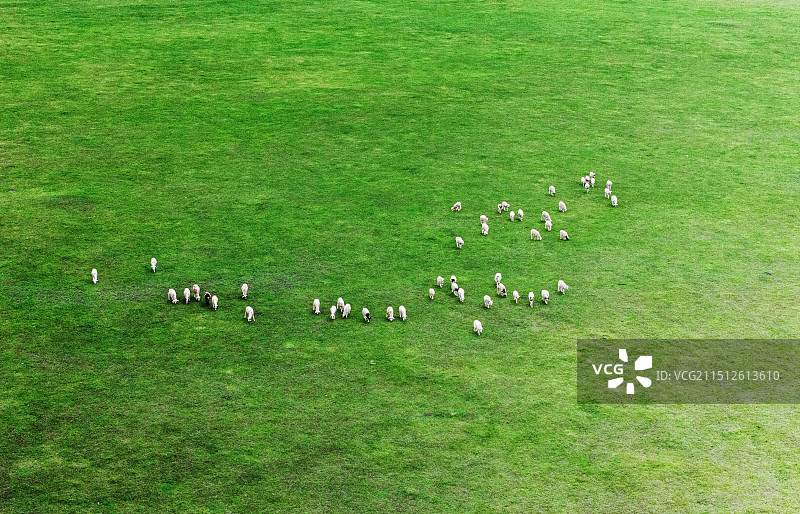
(313, 149)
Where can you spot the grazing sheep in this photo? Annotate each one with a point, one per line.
(563, 236)
(608, 184)
(548, 225)
(530, 298)
(402, 312)
(333, 311)
(196, 292)
(454, 288)
(244, 290)
(552, 190)
(484, 219)
(315, 306)
(94, 275)
(613, 200)
(591, 174)
(207, 297)
(461, 294)
(583, 180)
(607, 192)
(440, 281)
(365, 313)
(497, 278)
(452, 278)
(456, 207)
(506, 205)
(153, 263)
(340, 304)
(477, 327)
(587, 186)
(520, 214)
(487, 301)
(187, 294)
(214, 302)
(346, 311)
(562, 207)
(501, 290)
(545, 215)
(390, 313)
(499, 208)
(516, 296)
(431, 292)
(511, 215)
(591, 181)
(249, 314)
(459, 242)
(535, 235)
(484, 229)
(172, 295)
(562, 287)
(545, 295)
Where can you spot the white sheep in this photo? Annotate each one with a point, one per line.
(487, 301)
(587, 186)
(516, 296)
(431, 292)
(562, 287)
(459, 242)
(187, 294)
(499, 208)
(456, 207)
(390, 313)
(315, 306)
(346, 311)
(511, 215)
(402, 312)
(244, 290)
(452, 278)
(520, 214)
(484, 229)
(562, 207)
(552, 190)
(535, 235)
(365, 313)
(545, 215)
(196, 292)
(454, 288)
(583, 180)
(501, 290)
(607, 192)
(613, 200)
(548, 225)
(484, 219)
(153, 263)
(440, 281)
(94, 275)
(172, 295)
(214, 302)
(530, 298)
(477, 327)
(563, 236)
(608, 184)
(340, 304)
(506, 205)
(497, 278)
(333, 312)
(591, 181)
(591, 174)
(545, 295)
(461, 294)
(249, 315)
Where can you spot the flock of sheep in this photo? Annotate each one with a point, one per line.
(587, 181)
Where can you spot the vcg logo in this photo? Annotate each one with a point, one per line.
(642, 363)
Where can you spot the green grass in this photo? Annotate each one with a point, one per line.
(312, 149)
